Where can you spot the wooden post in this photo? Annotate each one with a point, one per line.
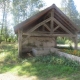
(52, 23)
(76, 42)
(55, 41)
(20, 43)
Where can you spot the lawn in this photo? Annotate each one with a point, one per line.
(49, 67)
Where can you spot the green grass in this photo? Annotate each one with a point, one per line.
(44, 67)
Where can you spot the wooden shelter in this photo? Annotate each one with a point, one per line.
(42, 29)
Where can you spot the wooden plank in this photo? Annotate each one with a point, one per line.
(63, 27)
(20, 43)
(38, 25)
(47, 27)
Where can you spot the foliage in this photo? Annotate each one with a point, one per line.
(69, 8)
(13, 12)
(44, 67)
(61, 40)
(25, 9)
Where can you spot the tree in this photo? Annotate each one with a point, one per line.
(71, 11)
(23, 9)
(4, 5)
(19, 10)
(64, 6)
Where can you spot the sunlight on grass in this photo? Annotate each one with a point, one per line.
(16, 69)
(3, 55)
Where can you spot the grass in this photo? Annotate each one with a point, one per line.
(44, 67)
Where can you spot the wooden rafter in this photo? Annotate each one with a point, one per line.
(38, 25)
(67, 23)
(52, 23)
(63, 27)
(59, 11)
(47, 26)
(56, 28)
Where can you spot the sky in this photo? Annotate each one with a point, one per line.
(58, 3)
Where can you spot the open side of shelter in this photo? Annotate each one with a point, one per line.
(42, 29)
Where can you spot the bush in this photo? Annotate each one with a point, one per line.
(60, 40)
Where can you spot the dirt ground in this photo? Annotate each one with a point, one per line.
(10, 76)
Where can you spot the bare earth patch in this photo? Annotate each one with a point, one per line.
(10, 76)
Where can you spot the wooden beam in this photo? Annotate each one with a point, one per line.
(63, 19)
(66, 18)
(46, 35)
(26, 39)
(47, 26)
(38, 25)
(43, 28)
(20, 43)
(52, 23)
(63, 27)
(56, 28)
(39, 32)
(75, 42)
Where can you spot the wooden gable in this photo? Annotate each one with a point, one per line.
(51, 16)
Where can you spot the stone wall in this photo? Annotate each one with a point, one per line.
(41, 42)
